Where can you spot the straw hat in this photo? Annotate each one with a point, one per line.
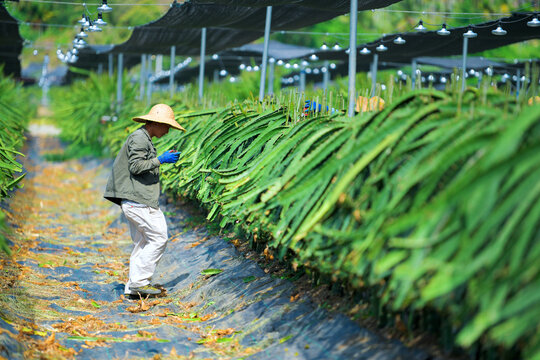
(160, 113)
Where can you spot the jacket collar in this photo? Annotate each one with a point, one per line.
(143, 129)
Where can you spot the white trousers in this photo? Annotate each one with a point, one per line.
(149, 234)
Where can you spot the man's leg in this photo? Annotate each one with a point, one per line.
(138, 241)
(150, 223)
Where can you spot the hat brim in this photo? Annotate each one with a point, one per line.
(171, 123)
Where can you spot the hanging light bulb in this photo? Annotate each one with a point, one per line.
(399, 40)
(443, 31)
(75, 51)
(324, 69)
(256, 68)
(271, 60)
(223, 72)
(333, 66)
(104, 7)
(94, 28)
(420, 27)
(534, 22)
(470, 34)
(472, 72)
(304, 63)
(316, 71)
(295, 66)
(280, 62)
(313, 57)
(489, 71)
(348, 51)
(79, 43)
(431, 78)
(443, 80)
(82, 20)
(336, 47)
(287, 66)
(296, 77)
(308, 70)
(232, 79)
(498, 31)
(99, 20)
(215, 57)
(242, 67)
(381, 48)
(365, 51)
(82, 34)
(324, 46)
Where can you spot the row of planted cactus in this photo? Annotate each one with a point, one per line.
(15, 112)
(433, 201)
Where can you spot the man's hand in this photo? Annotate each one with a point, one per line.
(169, 157)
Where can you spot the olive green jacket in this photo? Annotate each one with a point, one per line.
(135, 172)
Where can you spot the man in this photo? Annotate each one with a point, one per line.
(134, 185)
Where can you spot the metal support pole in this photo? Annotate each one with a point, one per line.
(142, 79)
(271, 77)
(413, 74)
(518, 82)
(171, 75)
(44, 82)
(326, 75)
(159, 63)
(480, 77)
(352, 56)
(100, 69)
(265, 51)
(201, 65)
(148, 76)
(111, 69)
(216, 75)
(149, 93)
(374, 67)
(464, 66)
(119, 81)
(302, 80)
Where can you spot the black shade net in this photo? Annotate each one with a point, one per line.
(337, 5)
(11, 43)
(430, 43)
(228, 25)
(230, 60)
(446, 66)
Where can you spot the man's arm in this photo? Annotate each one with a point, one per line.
(137, 152)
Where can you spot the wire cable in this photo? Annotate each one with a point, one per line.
(89, 4)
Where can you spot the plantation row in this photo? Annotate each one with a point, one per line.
(434, 202)
(431, 203)
(14, 115)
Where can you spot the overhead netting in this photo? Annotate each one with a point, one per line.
(229, 24)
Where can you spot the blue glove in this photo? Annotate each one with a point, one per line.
(169, 157)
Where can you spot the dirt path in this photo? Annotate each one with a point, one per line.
(61, 290)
